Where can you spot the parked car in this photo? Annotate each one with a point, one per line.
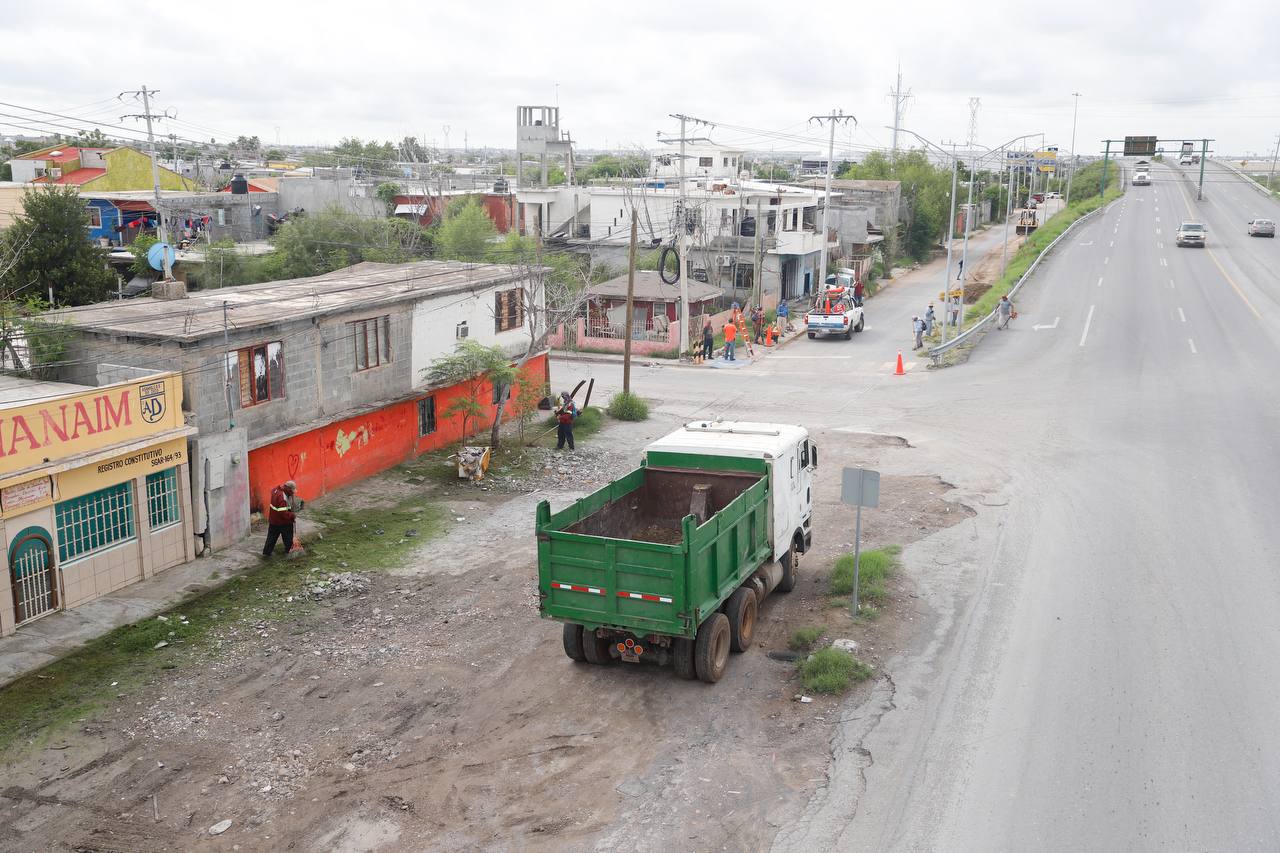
(1191, 234)
(1262, 228)
(1054, 195)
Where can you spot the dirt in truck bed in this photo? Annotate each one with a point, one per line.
(429, 707)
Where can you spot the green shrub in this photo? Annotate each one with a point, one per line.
(874, 568)
(804, 638)
(626, 406)
(832, 671)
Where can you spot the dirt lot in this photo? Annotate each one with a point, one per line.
(428, 706)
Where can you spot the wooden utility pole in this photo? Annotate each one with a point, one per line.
(631, 293)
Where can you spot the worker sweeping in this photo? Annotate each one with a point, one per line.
(281, 515)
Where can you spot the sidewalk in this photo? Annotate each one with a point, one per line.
(741, 356)
(58, 634)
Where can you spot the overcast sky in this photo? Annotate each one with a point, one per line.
(312, 72)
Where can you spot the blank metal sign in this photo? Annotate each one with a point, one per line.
(860, 487)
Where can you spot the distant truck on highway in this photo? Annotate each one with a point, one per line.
(835, 313)
(669, 564)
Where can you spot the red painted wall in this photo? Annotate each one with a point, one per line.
(346, 451)
(500, 208)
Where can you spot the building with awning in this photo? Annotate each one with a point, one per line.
(95, 490)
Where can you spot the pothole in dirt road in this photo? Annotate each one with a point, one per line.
(860, 438)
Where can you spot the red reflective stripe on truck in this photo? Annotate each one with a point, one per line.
(573, 587)
(661, 599)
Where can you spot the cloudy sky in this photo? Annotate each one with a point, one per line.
(312, 72)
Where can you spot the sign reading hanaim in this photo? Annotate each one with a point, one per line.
(64, 426)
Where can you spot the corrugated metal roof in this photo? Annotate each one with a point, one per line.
(365, 286)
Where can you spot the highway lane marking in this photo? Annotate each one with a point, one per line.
(1193, 346)
(1038, 327)
(1186, 202)
(1087, 322)
(1171, 284)
(1099, 281)
(1113, 244)
(1180, 314)
(1158, 231)
(1106, 260)
(1164, 262)
(1159, 245)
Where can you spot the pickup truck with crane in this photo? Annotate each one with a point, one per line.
(835, 312)
(669, 564)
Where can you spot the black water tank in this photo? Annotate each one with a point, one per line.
(239, 186)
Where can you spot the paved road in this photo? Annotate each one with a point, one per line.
(1104, 672)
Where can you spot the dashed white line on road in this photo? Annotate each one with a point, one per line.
(1180, 314)
(1099, 281)
(1087, 322)
(1159, 245)
(1171, 284)
(1113, 244)
(1158, 231)
(1193, 346)
(1164, 262)
(1106, 261)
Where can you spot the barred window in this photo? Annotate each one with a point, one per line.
(94, 521)
(426, 416)
(163, 507)
(508, 310)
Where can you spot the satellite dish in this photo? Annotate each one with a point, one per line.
(156, 255)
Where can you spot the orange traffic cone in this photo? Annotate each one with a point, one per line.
(899, 371)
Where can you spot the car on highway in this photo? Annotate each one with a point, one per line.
(1185, 160)
(1141, 179)
(1191, 234)
(1262, 228)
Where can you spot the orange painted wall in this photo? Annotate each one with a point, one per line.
(346, 451)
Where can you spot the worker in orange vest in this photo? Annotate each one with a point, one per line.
(730, 337)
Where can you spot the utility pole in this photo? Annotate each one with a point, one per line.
(1075, 161)
(900, 99)
(631, 292)
(951, 227)
(835, 117)
(155, 171)
(974, 104)
(682, 237)
(1271, 179)
(964, 251)
(757, 284)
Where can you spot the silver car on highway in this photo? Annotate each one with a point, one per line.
(1262, 228)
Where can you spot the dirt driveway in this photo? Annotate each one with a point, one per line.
(428, 706)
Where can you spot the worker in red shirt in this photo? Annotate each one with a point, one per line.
(280, 518)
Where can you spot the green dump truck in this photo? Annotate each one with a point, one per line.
(669, 563)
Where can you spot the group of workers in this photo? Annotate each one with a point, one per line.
(736, 327)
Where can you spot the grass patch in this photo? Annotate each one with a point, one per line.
(626, 406)
(832, 671)
(803, 639)
(38, 704)
(874, 569)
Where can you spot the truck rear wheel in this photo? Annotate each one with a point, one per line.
(812, 335)
(788, 562)
(741, 609)
(861, 323)
(573, 641)
(595, 649)
(682, 659)
(711, 652)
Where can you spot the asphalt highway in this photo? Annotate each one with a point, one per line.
(1104, 669)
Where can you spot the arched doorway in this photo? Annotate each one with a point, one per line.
(32, 574)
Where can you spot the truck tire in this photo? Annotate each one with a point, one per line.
(682, 659)
(812, 335)
(595, 649)
(711, 651)
(573, 641)
(741, 608)
(788, 562)
(848, 333)
(862, 321)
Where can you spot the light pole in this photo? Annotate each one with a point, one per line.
(1075, 111)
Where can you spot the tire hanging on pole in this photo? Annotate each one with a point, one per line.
(662, 265)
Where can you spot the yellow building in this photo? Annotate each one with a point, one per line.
(94, 490)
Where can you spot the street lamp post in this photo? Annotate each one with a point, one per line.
(1074, 160)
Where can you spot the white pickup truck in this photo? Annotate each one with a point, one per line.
(833, 313)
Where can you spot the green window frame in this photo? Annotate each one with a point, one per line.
(94, 521)
(163, 506)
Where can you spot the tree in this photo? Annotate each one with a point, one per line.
(477, 369)
(465, 233)
(247, 144)
(47, 247)
(386, 193)
(273, 154)
(319, 243)
(610, 166)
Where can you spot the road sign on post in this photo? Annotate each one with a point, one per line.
(859, 487)
(1140, 146)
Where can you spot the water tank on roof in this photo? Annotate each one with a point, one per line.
(239, 186)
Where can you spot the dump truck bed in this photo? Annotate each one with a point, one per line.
(655, 551)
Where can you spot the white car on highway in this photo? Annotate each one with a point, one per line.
(1141, 179)
(1190, 234)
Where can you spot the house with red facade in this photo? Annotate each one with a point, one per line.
(320, 380)
(427, 208)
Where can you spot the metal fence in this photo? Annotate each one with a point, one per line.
(642, 329)
(936, 352)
